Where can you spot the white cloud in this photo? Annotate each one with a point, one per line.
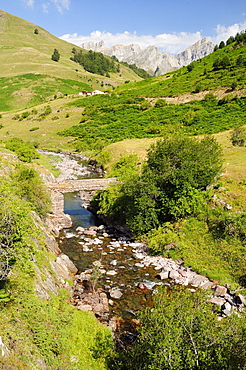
(45, 7)
(171, 43)
(61, 4)
(29, 3)
(223, 33)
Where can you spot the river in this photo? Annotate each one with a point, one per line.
(121, 266)
(127, 274)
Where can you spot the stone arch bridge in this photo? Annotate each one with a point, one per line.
(86, 189)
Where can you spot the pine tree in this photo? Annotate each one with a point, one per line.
(56, 55)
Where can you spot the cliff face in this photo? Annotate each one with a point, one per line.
(151, 58)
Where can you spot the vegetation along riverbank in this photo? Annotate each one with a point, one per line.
(176, 144)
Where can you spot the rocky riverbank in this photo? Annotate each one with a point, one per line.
(109, 243)
(150, 271)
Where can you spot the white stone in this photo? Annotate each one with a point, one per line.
(111, 273)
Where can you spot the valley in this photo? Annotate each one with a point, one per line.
(176, 143)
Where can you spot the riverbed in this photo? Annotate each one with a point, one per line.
(126, 274)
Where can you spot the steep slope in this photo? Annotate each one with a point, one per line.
(151, 58)
(27, 49)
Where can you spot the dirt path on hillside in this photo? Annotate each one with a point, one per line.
(185, 98)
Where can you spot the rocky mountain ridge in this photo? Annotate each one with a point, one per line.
(151, 58)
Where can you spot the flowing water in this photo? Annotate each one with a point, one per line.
(122, 270)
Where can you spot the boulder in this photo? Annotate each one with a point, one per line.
(111, 273)
(90, 232)
(173, 274)
(64, 267)
(241, 299)
(115, 293)
(217, 300)
(220, 291)
(163, 275)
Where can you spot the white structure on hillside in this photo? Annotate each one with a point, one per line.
(90, 93)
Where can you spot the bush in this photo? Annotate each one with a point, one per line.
(182, 332)
(29, 186)
(34, 129)
(160, 103)
(25, 151)
(238, 136)
(55, 56)
(171, 186)
(190, 67)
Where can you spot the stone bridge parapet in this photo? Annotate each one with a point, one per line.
(82, 185)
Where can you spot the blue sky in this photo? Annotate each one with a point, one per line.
(171, 25)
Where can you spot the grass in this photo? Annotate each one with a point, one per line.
(49, 333)
(40, 333)
(180, 82)
(25, 53)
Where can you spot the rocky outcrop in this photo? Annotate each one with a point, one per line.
(151, 58)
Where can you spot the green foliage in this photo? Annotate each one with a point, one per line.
(17, 232)
(145, 105)
(34, 128)
(40, 86)
(240, 61)
(238, 136)
(182, 332)
(177, 162)
(103, 158)
(25, 151)
(160, 103)
(170, 187)
(51, 332)
(198, 88)
(30, 187)
(221, 45)
(94, 62)
(139, 71)
(223, 62)
(190, 67)
(55, 56)
(125, 168)
(213, 244)
(109, 119)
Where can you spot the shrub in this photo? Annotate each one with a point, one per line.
(160, 103)
(182, 332)
(238, 136)
(34, 129)
(30, 187)
(190, 67)
(25, 151)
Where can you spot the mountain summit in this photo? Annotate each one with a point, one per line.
(151, 58)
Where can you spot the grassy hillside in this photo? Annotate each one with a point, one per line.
(28, 75)
(39, 333)
(202, 76)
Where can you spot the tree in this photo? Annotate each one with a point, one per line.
(182, 332)
(221, 45)
(36, 31)
(29, 186)
(171, 185)
(55, 56)
(230, 40)
(238, 136)
(176, 162)
(190, 67)
(240, 61)
(198, 88)
(234, 85)
(225, 62)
